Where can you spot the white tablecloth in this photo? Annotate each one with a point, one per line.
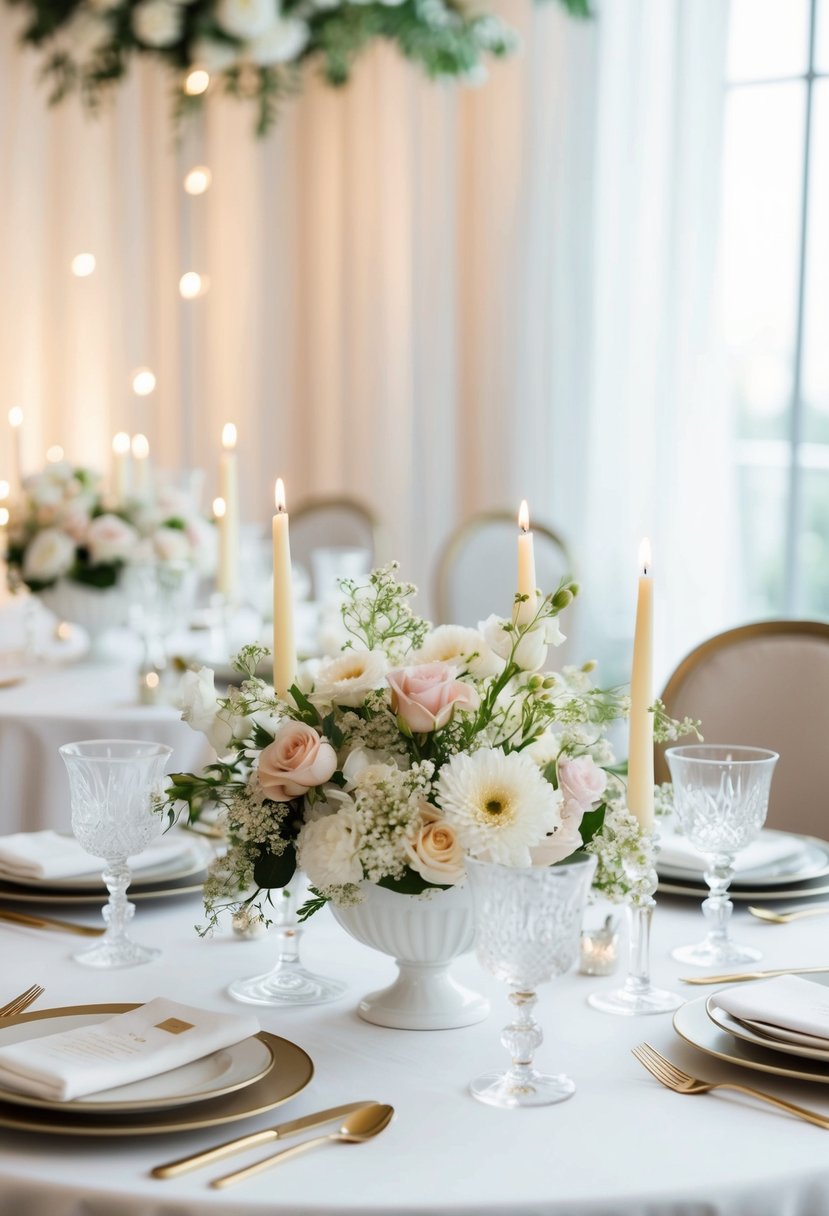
(57, 705)
(622, 1146)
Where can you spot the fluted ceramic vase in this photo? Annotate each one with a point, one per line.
(423, 934)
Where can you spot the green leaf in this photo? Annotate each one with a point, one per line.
(331, 731)
(410, 883)
(313, 904)
(549, 771)
(308, 714)
(591, 823)
(270, 871)
(261, 737)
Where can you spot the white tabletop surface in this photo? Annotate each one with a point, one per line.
(622, 1146)
(59, 704)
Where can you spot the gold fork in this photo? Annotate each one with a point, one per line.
(22, 1002)
(683, 1083)
(784, 918)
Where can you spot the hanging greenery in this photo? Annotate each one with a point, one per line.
(255, 48)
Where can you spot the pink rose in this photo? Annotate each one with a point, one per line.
(582, 781)
(425, 697)
(297, 760)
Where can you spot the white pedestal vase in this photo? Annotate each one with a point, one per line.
(423, 934)
(96, 610)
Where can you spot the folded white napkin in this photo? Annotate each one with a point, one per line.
(788, 1002)
(49, 855)
(146, 1041)
(769, 847)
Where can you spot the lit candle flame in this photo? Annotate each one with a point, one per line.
(15, 416)
(4, 516)
(121, 443)
(140, 447)
(645, 555)
(219, 508)
(228, 436)
(279, 495)
(524, 516)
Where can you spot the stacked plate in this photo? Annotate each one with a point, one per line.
(241, 1081)
(800, 871)
(750, 1044)
(181, 871)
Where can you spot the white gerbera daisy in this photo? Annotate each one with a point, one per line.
(499, 804)
(460, 646)
(346, 679)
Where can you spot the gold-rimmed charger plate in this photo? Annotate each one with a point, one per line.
(740, 1030)
(202, 1080)
(292, 1071)
(809, 862)
(805, 890)
(11, 893)
(692, 1023)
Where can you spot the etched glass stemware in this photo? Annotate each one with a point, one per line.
(721, 795)
(112, 782)
(528, 923)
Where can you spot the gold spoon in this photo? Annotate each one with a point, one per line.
(783, 918)
(364, 1123)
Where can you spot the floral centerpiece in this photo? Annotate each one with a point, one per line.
(256, 47)
(61, 527)
(390, 763)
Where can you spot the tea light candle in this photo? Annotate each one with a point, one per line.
(599, 949)
(149, 687)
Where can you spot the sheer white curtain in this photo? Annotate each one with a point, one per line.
(436, 299)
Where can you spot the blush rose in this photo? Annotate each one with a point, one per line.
(425, 697)
(296, 761)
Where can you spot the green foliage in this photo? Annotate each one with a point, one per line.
(592, 823)
(275, 870)
(315, 903)
(667, 729)
(378, 615)
(410, 883)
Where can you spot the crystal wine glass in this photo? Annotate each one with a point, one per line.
(112, 782)
(528, 923)
(721, 795)
(288, 982)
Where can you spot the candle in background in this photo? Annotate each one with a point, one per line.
(5, 591)
(284, 656)
(228, 582)
(120, 468)
(16, 424)
(141, 467)
(640, 747)
(223, 570)
(525, 611)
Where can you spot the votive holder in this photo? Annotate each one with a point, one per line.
(599, 949)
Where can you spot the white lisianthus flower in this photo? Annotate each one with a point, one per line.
(212, 55)
(499, 804)
(50, 555)
(246, 19)
(362, 758)
(157, 23)
(200, 710)
(346, 679)
(465, 648)
(283, 41)
(545, 749)
(171, 545)
(328, 850)
(531, 651)
(110, 539)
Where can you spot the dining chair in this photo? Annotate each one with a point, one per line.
(765, 685)
(336, 528)
(477, 566)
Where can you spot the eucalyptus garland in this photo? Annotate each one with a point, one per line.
(254, 49)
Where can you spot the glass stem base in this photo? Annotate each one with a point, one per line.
(637, 995)
(116, 948)
(522, 1084)
(717, 949)
(288, 983)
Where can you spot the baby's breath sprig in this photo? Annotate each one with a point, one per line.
(378, 616)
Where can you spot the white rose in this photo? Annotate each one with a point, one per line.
(281, 42)
(362, 759)
(245, 19)
(328, 850)
(171, 545)
(200, 710)
(465, 648)
(212, 55)
(531, 651)
(157, 22)
(50, 555)
(110, 539)
(544, 750)
(346, 679)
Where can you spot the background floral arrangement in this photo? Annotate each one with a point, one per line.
(62, 527)
(411, 750)
(257, 46)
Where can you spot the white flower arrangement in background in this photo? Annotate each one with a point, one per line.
(413, 749)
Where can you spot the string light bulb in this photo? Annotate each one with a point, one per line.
(143, 381)
(198, 179)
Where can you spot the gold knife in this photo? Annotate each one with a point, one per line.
(737, 977)
(47, 922)
(268, 1134)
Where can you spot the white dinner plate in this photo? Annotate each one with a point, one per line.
(185, 858)
(810, 861)
(750, 1032)
(219, 1073)
(692, 1023)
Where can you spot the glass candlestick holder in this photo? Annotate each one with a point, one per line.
(638, 995)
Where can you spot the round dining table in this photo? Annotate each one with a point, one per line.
(621, 1146)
